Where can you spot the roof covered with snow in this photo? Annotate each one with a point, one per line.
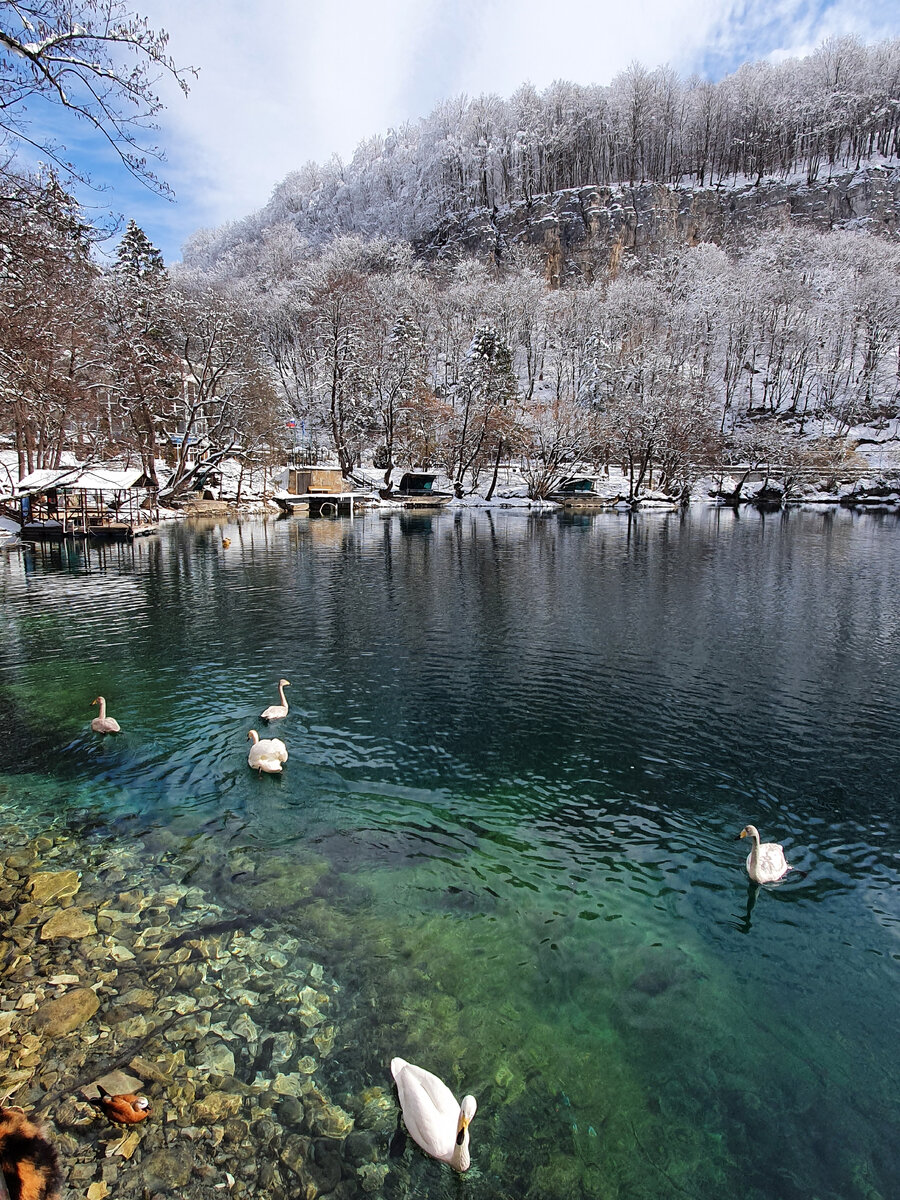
(94, 479)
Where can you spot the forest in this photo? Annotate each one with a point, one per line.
(317, 323)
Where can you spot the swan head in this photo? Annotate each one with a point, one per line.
(466, 1114)
(284, 683)
(253, 736)
(99, 700)
(749, 831)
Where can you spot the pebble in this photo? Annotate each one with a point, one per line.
(95, 973)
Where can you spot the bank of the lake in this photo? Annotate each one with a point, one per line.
(521, 747)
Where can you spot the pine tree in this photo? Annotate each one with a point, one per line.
(136, 257)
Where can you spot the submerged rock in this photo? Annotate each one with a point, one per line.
(62, 1016)
(68, 923)
(324, 1118)
(52, 885)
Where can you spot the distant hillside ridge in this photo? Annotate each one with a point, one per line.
(582, 232)
(834, 111)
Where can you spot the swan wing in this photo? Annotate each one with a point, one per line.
(430, 1109)
(273, 748)
(770, 863)
(772, 860)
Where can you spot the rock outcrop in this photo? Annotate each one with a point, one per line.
(582, 232)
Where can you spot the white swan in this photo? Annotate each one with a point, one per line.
(103, 723)
(266, 755)
(766, 861)
(275, 711)
(435, 1119)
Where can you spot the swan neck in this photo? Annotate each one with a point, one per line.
(281, 693)
(461, 1158)
(102, 709)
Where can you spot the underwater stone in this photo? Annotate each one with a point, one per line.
(61, 1016)
(217, 1058)
(74, 1114)
(132, 1027)
(149, 1071)
(290, 1085)
(119, 953)
(217, 1107)
(324, 1040)
(324, 1118)
(283, 1045)
(245, 1028)
(169, 1168)
(234, 974)
(326, 1166)
(70, 923)
(361, 1147)
(376, 1110)
(295, 1153)
(53, 885)
(138, 997)
(372, 1176)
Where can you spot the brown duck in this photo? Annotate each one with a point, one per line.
(125, 1109)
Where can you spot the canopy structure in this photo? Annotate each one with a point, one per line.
(82, 501)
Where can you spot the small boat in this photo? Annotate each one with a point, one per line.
(415, 490)
(582, 492)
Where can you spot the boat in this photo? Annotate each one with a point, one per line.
(581, 492)
(415, 490)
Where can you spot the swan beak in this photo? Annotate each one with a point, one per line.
(461, 1129)
(742, 834)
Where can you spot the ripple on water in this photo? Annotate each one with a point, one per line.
(520, 755)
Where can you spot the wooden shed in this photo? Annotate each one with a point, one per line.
(315, 481)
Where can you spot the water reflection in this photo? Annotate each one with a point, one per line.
(521, 747)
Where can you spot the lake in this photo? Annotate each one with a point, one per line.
(521, 750)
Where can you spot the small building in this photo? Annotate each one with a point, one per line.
(315, 481)
(96, 502)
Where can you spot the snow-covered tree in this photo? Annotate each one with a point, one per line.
(97, 60)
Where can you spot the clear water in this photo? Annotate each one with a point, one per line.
(520, 751)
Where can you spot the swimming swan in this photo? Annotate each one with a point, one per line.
(266, 755)
(275, 711)
(103, 723)
(435, 1119)
(766, 861)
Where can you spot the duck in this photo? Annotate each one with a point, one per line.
(765, 862)
(29, 1164)
(125, 1109)
(266, 755)
(436, 1121)
(103, 723)
(276, 711)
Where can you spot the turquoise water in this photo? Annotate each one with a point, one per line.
(521, 749)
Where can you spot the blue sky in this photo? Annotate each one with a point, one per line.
(285, 81)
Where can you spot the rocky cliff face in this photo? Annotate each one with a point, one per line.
(584, 231)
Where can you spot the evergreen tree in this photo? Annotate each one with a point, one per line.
(136, 257)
